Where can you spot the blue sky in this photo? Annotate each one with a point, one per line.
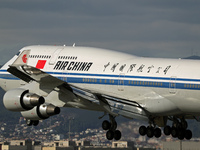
(151, 28)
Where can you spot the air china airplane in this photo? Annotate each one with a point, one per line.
(41, 79)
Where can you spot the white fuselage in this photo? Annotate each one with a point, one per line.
(161, 86)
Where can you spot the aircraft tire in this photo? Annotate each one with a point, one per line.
(35, 122)
(181, 136)
(117, 135)
(106, 125)
(181, 132)
(29, 122)
(110, 135)
(150, 132)
(157, 132)
(167, 130)
(174, 132)
(143, 130)
(114, 126)
(188, 134)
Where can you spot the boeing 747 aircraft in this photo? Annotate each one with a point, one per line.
(39, 80)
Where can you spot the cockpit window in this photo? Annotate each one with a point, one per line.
(18, 53)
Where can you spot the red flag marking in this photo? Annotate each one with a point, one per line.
(41, 64)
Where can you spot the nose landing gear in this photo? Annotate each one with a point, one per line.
(32, 122)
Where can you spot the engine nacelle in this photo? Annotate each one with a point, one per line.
(41, 112)
(21, 100)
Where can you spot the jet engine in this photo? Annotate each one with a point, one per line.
(21, 100)
(43, 111)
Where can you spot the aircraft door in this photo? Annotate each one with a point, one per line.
(64, 76)
(121, 82)
(54, 56)
(172, 85)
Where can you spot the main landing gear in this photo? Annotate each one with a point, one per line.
(111, 127)
(178, 130)
(150, 131)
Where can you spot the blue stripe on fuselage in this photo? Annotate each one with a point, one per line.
(125, 80)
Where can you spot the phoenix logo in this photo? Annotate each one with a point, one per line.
(24, 58)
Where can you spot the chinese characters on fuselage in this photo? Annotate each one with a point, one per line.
(137, 67)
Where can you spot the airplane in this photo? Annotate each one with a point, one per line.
(40, 79)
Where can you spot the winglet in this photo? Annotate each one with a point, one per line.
(22, 59)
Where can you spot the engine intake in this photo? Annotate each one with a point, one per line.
(43, 111)
(21, 100)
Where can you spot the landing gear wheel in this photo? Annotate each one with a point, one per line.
(110, 135)
(180, 137)
(106, 125)
(157, 132)
(29, 122)
(174, 132)
(114, 126)
(167, 130)
(117, 135)
(111, 126)
(188, 134)
(143, 130)
(150, 132)
(35, 122)
(181, 134)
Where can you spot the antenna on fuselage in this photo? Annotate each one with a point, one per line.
(74, 45)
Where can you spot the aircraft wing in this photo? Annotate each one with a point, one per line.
(111, 105)
(29, 73)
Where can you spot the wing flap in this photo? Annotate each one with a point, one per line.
(113, 105)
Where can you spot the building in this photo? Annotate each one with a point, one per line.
(64, 145)
(21, 145)
(181, 145)
(122, 144)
